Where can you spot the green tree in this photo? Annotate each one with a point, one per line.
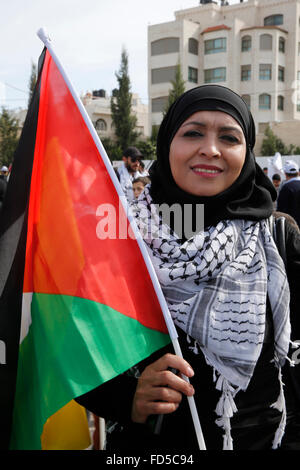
(147, 149)
(121, 107)
(178, 87)
(32, 80)
(297, 150)
(154, 133)
(9, 127)
(272, 144)
(113, 150)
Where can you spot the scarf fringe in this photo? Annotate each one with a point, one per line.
(226, 406)
(294, 344)
(225, 409)
(195, 348)
(280, 405)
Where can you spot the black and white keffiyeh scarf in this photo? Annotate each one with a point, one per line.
(216, 286)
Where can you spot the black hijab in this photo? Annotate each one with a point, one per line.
(249, 197)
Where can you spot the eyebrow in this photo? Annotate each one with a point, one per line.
(223, 128)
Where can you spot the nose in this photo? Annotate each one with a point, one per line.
(209, 147)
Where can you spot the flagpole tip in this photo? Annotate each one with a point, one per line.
(43, 35)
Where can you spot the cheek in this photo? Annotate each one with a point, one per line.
(177, 158)
(236, 161)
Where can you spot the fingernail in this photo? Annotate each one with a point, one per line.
(190, 372)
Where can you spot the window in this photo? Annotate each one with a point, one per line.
(280, 103)
(215, 75)
(246, 43)
(193, 75)
(281, 73)
(281, 46)
(273, 20)
(165, 46)
(193, 46)
(264, 101)
(265, 42)
(265, 71)
(247, 99)
(213, 46)
(159, 104)
(163, 75)
(101, 125)
(245, 73)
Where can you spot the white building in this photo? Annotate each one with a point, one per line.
(252, 47)
(97, 105)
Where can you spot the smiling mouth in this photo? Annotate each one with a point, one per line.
(207, 171)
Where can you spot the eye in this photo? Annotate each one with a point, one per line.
(193, 133)
(230, 138)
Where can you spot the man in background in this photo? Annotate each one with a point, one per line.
(289, 194)
(129, 170)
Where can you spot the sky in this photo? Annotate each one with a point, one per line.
(87, 36)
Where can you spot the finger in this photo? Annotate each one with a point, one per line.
(173, 361)
(176, 382)
(166, 378)
(165, 394)
(159, 407)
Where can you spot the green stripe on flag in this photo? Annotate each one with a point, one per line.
(73, 345)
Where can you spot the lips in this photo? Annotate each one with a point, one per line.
(206, 170)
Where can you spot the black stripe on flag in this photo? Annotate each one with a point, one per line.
(13, 232)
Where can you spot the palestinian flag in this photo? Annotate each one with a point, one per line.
(89, 308)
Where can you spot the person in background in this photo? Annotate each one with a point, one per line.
(289, 194)
(129, 170)
(4, 172)
(139, 184)
(3, 184)
(276, 179)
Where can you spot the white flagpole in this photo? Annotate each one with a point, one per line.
(102, 433)
(42, 34)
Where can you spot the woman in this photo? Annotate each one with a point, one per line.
(226, 288)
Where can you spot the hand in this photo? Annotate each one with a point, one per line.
(159, 391)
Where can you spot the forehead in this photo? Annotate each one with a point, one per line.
(212, 118)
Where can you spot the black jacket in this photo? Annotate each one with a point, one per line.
(289, 199)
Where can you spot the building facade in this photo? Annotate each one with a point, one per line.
(97, 105)
(252, 47)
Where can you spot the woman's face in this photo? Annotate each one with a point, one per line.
(207, 153)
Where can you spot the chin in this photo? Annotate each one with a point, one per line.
(203, 193)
